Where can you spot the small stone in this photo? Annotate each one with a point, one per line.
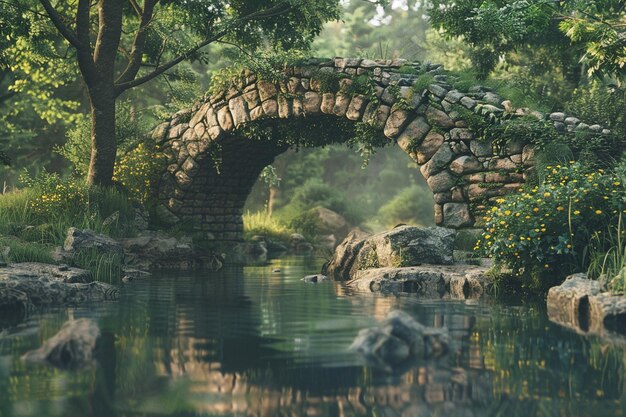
(557, 117)
(395, 123)
(466, 165)
(444, 181)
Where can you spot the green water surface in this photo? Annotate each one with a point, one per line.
(252, 342)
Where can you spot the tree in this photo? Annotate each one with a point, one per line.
(34, 75)
(499, 28)
(123, 44)
(577, 33)
(600, 26)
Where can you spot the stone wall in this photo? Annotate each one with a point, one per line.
(462, 171)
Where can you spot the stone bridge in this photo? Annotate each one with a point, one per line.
(213, 163)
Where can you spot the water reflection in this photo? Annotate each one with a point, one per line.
(256, 343)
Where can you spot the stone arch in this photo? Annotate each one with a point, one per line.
(427, 120)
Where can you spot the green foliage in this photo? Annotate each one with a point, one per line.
(367, 138)
(130, 131)
(407, 70)
(104, 267)
(329, 81)
(607, 255)
(20, 251)
(598, 27)
(307, 224)
(267, 65)
(139, 170)
(422, 83)
(602, 104)
(412, 205)
(496, 29)
(43, 212)
(260, 223)
(314, 193)
(364, 85)
(544, 232)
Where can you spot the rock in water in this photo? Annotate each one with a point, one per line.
(399, 341)
(73, 347)
(400, 247)
(313, 279)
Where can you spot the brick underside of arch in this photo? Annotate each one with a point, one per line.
(463, 172)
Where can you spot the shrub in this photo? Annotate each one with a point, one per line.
(139, 169)
(412, 205)
(545, 230)
(50, 205)
(261, 223)
(314, 193)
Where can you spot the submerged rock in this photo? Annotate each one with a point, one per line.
(73, 347)
(313, 279)
(400, 247)
(400, 340)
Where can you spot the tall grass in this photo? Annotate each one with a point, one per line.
(607, 258)
(31, 229)
(261, 223)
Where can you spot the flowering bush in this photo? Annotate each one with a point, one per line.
(546, 229)
(53, 194)
(138, 170)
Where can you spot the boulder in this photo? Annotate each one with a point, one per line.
(342, 264)
(330, 222)
(73, 347)
(427, 281)
(400, 247)
(399, 341)
(79, 240)
(580, 304)
(154, 251)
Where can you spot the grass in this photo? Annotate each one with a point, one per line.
(260, 223)
(506, 88)
(607, 258)
(21, 251)
(31, 227)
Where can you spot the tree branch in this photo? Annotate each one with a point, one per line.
(136, 51)
(274, 11)
(136, 7)
(58, 23)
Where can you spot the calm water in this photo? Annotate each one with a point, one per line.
(249, 342)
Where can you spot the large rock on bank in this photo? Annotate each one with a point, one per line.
(25, 285)
(81, 240)
(400, 247)
(580, 304)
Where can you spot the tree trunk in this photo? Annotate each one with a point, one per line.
(273, 195)
(103, 140)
